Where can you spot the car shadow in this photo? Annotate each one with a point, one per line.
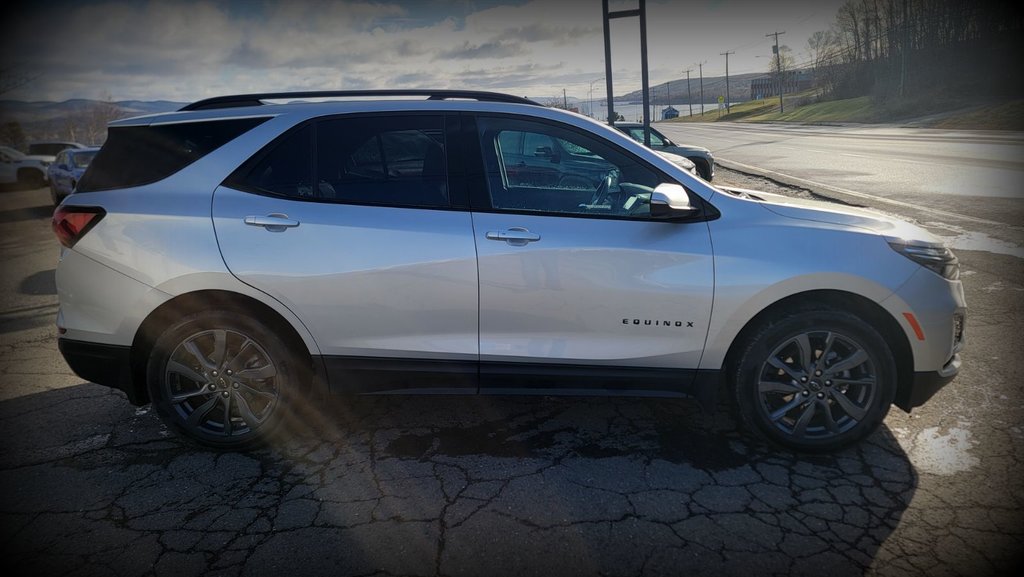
(40, 283)
(27, 213)
(681, 487)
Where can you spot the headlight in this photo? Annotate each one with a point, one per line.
(934, 257)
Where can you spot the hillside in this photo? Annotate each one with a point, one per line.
(714, 86)
(78, 119)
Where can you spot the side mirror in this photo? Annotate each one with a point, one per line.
(669, 200)
(543, 152)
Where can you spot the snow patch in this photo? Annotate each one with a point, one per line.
(942, 454)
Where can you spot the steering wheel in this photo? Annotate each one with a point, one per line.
(601, 192)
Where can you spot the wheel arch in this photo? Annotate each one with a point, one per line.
(873, 313)
(192, 302)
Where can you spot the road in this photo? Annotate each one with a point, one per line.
(90, 485)
(954, 177)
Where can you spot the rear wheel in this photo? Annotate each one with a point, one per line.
(222, 379)
(815, 381)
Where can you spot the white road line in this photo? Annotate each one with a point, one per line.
(787, 177)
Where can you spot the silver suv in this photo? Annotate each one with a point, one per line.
(230, 261)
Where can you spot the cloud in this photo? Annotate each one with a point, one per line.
(496, 49)
(189, 49)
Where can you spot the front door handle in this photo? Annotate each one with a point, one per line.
(515, 236)
(275, 222)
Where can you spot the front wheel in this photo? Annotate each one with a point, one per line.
(815, 381)
(222, 379)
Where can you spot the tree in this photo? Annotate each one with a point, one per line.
(12, 135)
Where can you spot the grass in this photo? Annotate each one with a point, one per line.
(928, 112)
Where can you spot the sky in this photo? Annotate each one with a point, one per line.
(185, 50)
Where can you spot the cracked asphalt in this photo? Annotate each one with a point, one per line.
(452, 486)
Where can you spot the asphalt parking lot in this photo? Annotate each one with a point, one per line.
(90, 485)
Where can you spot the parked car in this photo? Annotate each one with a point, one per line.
(699, 155)
(65, 172)
(231, 261)
(19, 168)
(51, 147)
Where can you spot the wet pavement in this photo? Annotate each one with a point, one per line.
(90, 485)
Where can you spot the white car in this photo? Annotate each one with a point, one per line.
(19, 168)
(231, 261)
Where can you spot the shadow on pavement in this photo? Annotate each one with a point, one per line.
(438, 485)
(40, 283)
(28, 213)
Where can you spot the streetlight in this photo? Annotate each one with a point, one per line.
(591, 111)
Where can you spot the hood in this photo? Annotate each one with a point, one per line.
(833, 213)
(685, 149)
(681, 161)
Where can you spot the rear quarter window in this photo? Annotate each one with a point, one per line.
(137, 155)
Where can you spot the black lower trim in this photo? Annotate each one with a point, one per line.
(367, 375)
(108, 365)
(376, 375)
(926, 384)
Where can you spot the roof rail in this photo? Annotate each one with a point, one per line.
(239, 100)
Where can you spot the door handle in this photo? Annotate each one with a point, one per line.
(515, 236)
(275, 222)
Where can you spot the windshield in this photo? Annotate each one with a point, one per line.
(48, 148)
(637, 134)
(11, 154)
(82, 159)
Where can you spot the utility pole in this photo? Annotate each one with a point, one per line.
(608, 62)
(701, 68)
(591, 110)
(689, 95)
(778, 66)
(565, 101)
(641, 12)
(726, 54)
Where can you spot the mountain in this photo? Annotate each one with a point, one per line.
(714, 86)
(78, 120)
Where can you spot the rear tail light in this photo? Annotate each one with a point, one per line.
(70, 223)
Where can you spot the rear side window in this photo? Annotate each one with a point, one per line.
(137, 155)
(393, 161)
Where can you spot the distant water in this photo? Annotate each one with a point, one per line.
(635, 112)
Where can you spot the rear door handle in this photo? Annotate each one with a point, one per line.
(515, 236)
(275, 222)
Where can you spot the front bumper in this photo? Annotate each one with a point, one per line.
(926, 384)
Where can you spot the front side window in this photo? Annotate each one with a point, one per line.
(556, 170)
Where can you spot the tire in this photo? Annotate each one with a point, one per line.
(196, 383)
(815, 381)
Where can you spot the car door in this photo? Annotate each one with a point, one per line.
(580, 288)
(358, 239)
